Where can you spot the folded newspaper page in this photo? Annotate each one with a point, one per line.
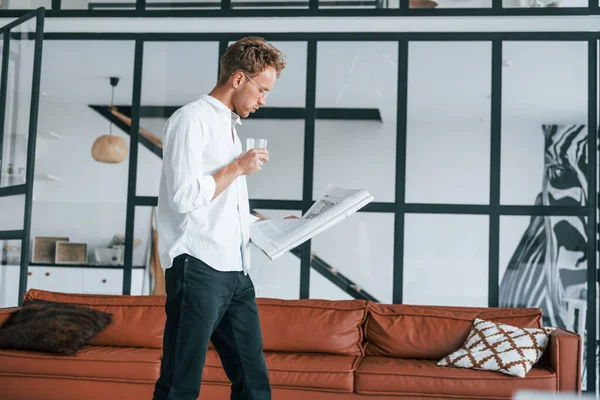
(275, 237)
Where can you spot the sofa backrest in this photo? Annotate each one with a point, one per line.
(137, 321)
(313, 326)
(432, 332)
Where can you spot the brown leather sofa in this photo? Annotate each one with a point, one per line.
(315, 349)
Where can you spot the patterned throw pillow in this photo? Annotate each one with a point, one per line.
(493, 346)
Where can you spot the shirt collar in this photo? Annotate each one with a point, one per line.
(235, 119)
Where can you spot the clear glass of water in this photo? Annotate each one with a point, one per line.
(252, 143)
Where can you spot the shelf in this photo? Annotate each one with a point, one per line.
(35, 264)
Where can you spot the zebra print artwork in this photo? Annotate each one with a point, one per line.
(549, 264)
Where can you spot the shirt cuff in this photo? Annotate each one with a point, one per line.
(208, 187)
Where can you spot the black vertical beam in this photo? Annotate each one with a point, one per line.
(309, 159)
(496, 4)
(591, 225)
(225, 4)
(140, 5)
(56, 5)
(31, 142)
(133, 161)
(4, 89)
(495, 142)
(401, 133)
(313, 5)
(593, 6)
(404, 4)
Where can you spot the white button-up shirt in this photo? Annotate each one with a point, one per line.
(198, 140)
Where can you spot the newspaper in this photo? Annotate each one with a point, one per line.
(277, 236)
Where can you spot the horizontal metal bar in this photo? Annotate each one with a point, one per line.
(14, 190)
(276, 204)
(107, 266)
(543, 210)
(147, 201)
(370, 114)
(270, 112)
(246, 4)
(308, 12)
(12, 235)
(379, 207)
(326, 36)
(483, 209)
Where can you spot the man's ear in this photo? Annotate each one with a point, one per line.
(237, 79)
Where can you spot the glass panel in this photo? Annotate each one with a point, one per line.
(530, 277)
(446, 260)
(353, 78)
(367, 254)
(544, 113)
(145, 235)
(448, 126)
(167, 81)
(258, 5)
(12, 212)
(281, 177)
(75, 76)
(98, 4)
(279, 278)
(10, 267)
(544, 3)
(322, 288)
(555, 281)
(450, 4)
(168, 84)
(18, 103)
(26, 4)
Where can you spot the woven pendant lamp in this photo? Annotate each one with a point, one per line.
(110, 149)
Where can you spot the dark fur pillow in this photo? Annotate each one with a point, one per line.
(59, 328)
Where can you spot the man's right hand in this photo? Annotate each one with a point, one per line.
(252, 160)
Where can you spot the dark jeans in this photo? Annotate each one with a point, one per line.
(205, 304)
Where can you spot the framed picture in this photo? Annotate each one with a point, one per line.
(71, 253)
(44, 248)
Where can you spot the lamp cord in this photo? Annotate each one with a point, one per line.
(112, 97)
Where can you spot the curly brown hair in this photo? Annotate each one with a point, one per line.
(251, 54)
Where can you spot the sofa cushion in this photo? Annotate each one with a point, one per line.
(137, 321)
(307, 371)
(53, 327)
(432, 332)
(313, 326)
(95, 362)
(381, 375)
(494, 346)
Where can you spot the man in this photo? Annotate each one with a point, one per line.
(203, 222)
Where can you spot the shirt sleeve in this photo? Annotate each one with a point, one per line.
(183, 148)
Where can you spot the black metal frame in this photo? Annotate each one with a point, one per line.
(27, 188)
(399, 207)
(227, 9)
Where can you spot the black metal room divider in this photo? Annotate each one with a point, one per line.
(19, 102)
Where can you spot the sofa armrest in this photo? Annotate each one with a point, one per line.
(6, 313)
(563, 356)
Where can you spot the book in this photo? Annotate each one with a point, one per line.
(275, 237)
